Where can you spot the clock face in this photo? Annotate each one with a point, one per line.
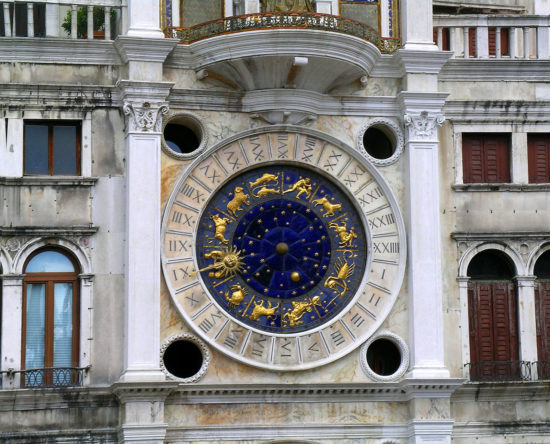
(283, 250)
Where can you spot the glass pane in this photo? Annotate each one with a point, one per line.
(34, 341)
(64, 150)
(49, 262)
(63, 325)
(36, 149)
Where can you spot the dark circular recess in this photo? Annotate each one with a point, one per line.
(379, 142)
(383, 357)
(182, 139)
(183, 359)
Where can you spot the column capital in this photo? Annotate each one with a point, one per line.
(423, 126)
(463, 281)
(144, 103)
(11, 280)
(525, 281)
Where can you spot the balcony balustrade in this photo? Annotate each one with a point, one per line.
(284, 20)
(46, 377)
(493, 36)
(104, 19)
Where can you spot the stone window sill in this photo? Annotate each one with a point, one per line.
(502, 187)
(41, 181)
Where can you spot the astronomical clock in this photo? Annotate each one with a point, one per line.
(283, 249)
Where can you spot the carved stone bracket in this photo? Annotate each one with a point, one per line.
(423, 126)
(145, 117)
(288, 117)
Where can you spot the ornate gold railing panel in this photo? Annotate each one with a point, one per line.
(284, 20)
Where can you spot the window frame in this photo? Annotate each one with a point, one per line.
(51, 124)
(532, 165)
(50, 279)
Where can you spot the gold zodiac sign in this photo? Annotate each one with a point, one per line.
(343, 271)
(237, 202)
(227, 262)
(221, 224)
(237, 295)
(329, 208)
(346, 238)
(260, 310)
(303, 186)
(299, 309)
(264, 179)
(265, 191)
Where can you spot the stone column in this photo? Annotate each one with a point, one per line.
(417, 25)
(422, 115)
(527, 324)
(464, 323)
(144, 105)
(12, 305)
(144, 19)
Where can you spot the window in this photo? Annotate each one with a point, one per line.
(492, 314)
(445, 38)
(538, 155)
(542, 309)
(486, 158)
(52, 148)
(50, 320)
(504, 42)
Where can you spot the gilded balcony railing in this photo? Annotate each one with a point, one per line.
(284, 20)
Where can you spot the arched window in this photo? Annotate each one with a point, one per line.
(542, 307)
(50, 319)
(492, 312)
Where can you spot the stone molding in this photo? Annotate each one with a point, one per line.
(138, 49)
(423, 126)
(194, 120)
(54, 181)
(487, 187)
(421, 62)
(491, 70)
(143, 391)
(84, 230)
(501, 112)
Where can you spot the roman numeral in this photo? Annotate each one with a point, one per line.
(385, 247)
(184, 272)
(257, 149)
(381, 221)
(192, 299)
(214, 174)
(286, 352)
(282, 149)
(372, 298)
(370, 197)
(233, 160)
(332, 160)
(337, 338)
(259, 347)
(192, 192)
(177, 245)
(357, 320)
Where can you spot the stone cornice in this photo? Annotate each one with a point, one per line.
(372, 392)
(493, 70)
(49, 231)
(485, 236)
(497, 111)
(412, 102)
(58, 50)
(143, 391)
(512, 187)
(138, 49)
(502, 392)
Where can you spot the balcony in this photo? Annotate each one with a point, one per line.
(284, 20)
(57, 377)
(512, 37)
(101, 19)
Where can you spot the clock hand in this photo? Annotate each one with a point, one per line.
(209, 267)
(227, 261)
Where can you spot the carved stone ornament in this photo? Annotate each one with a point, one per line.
(145, 117)
(13, 244)
(204, 351)
(403, 350)
(285, 117)
(424, 125)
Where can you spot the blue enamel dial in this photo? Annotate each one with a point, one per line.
(281, 248)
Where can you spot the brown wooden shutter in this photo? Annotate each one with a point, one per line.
(492, 314)
(486, 158)
(445, 38)
(492, 42)
(538, 155)
(472, 42)
(542, 308)
(505, 41)
(435, 36)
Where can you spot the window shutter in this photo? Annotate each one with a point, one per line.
(472, 42)
(538, 155)
(497, 156)
(542, 304)
(492, 41)
(472, 158)
(504, 41)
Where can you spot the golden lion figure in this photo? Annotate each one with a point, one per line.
(299, 309)
(303, 186)
(346, 238)
(239, 199)
(221, 224)
(260, 310)
(329, 208)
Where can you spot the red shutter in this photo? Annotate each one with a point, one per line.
(486, 158)
(472, 42)
(542, 304)
(492, 41)
(435, 35)
(492, 314)
(538, 154)
(445, 37)
(504, 41)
